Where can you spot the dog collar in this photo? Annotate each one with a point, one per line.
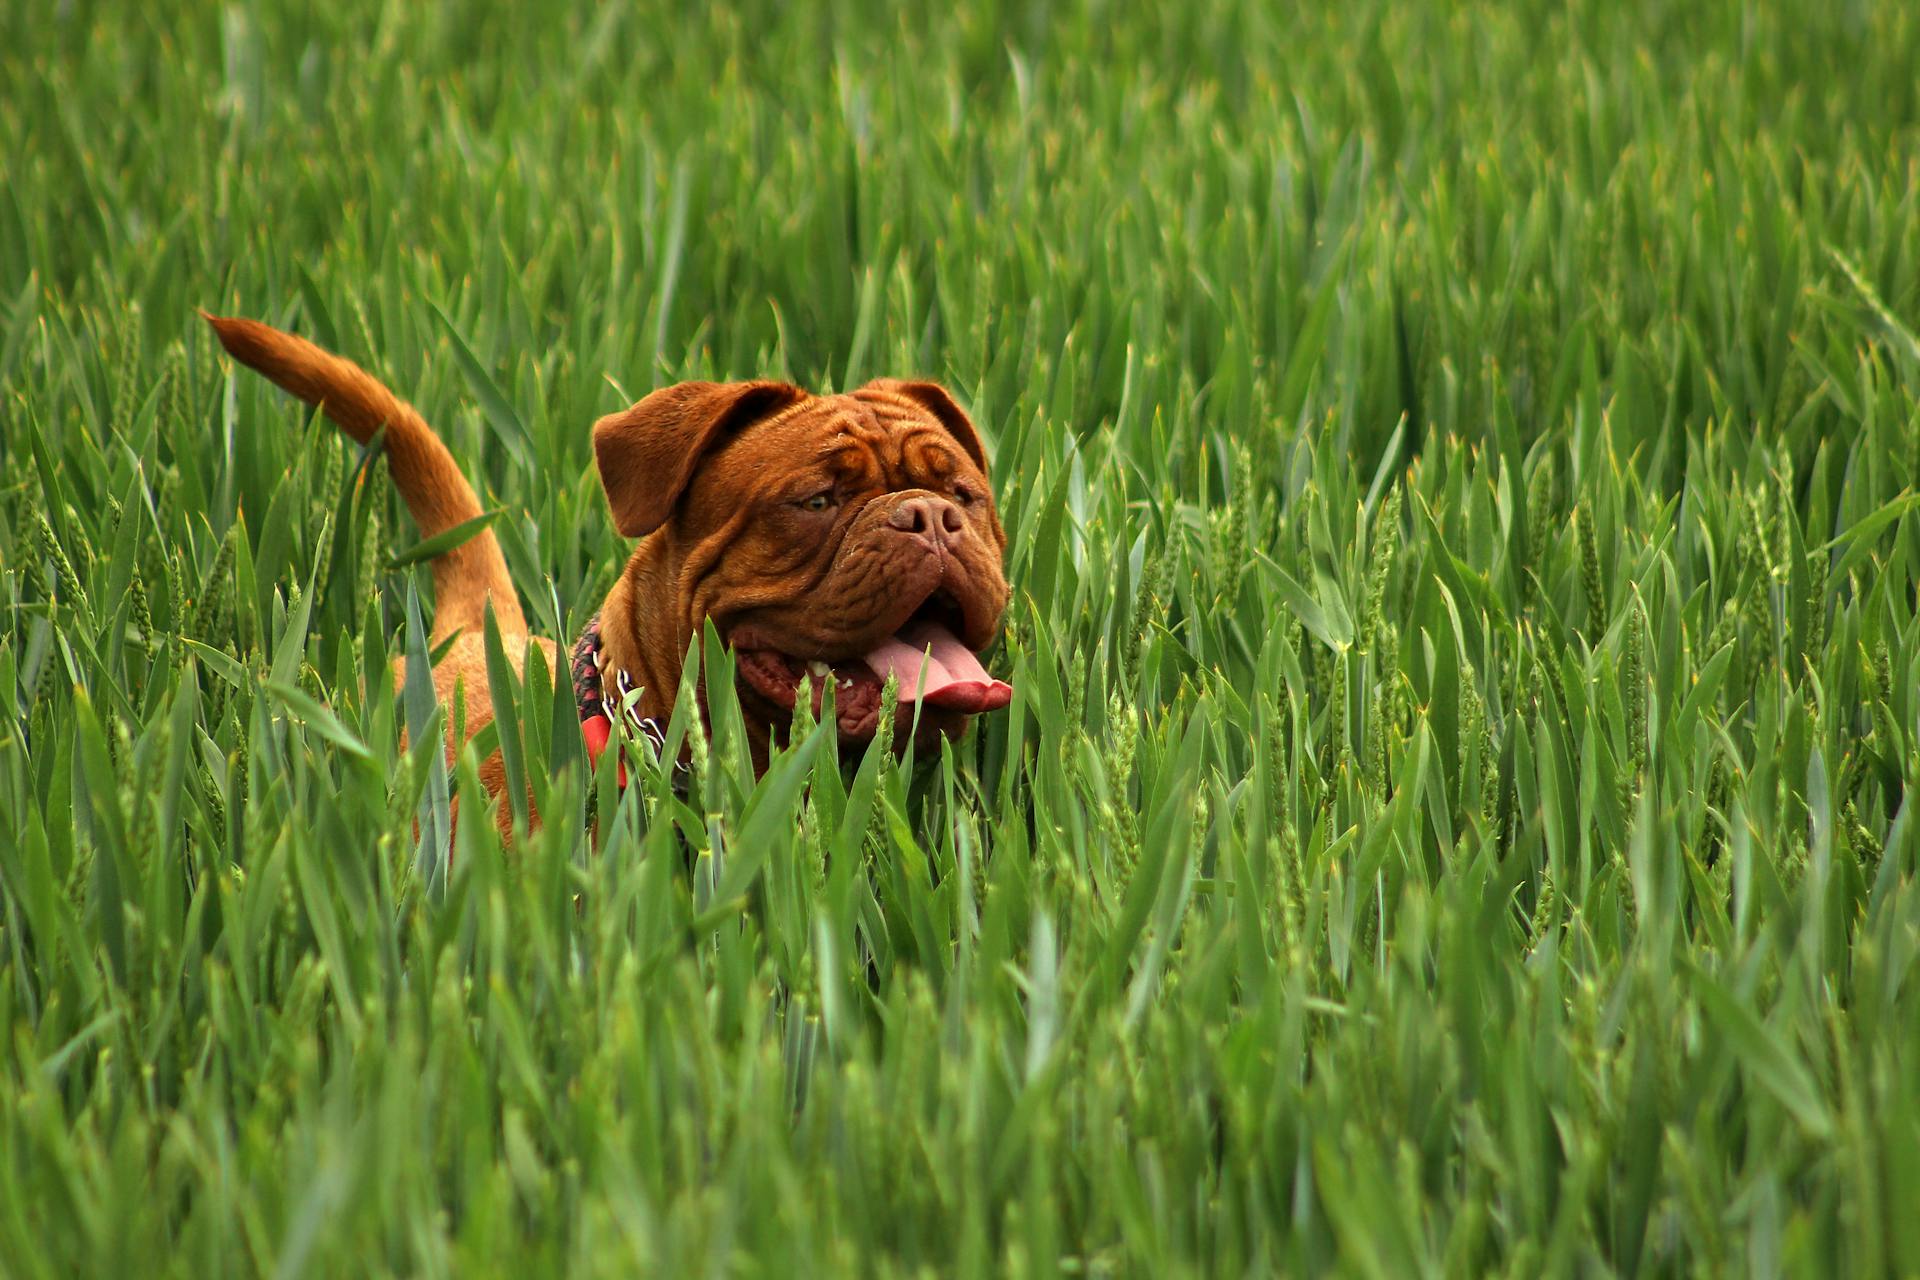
(596, 723)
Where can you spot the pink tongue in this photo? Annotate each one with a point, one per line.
(954, 678)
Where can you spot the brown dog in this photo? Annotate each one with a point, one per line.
(847, 537)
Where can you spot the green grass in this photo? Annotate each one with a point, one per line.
(1460, 470)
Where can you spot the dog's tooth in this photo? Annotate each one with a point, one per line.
(820, 669)
(846, 682)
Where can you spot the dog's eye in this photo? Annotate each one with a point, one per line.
(818, 502)
(964, 495)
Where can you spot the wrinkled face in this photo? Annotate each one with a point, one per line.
(839, 540)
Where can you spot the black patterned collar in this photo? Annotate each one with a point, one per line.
(596, 716)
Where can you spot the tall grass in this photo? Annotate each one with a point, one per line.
(1460, 470)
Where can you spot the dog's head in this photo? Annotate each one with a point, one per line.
(836, 539)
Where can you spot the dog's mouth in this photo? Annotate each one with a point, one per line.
(933, 667)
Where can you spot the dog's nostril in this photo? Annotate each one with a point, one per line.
(951, 519)
(909, 517)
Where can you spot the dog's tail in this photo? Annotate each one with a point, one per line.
(435, 492)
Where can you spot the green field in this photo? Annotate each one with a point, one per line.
(1460, 470)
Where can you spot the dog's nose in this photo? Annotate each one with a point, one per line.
(931, 519)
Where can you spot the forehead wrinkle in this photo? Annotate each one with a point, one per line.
(884, 441)
(848, 439)
(853, 450)
(878, 399)
(893, 454)
(924, 448)
(794, 410)
(853, 465)
(903, 424)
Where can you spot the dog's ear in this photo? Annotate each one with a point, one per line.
(933, 397)
(647, 454)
